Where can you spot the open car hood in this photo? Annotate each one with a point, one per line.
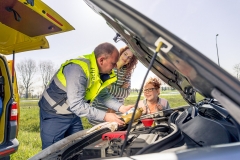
(177, 64)
(24, 25)
(185, 132)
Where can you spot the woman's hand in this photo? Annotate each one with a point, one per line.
(110, 110)
(124, 109)
(126, 85)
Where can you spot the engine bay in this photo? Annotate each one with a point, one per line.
(202, 125)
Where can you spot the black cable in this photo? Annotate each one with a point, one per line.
(15, 13)
(136, 104)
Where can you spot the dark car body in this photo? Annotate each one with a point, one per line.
(208, 129)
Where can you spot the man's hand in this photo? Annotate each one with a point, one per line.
(124, 109)
(112, 117)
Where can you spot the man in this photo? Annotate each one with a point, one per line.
(71, 90)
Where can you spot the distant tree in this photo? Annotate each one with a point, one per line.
(236, 69)
(47, 71)
(21, 89)
(26, 70)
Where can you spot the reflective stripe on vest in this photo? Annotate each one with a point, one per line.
(63, 109)
(59, 84)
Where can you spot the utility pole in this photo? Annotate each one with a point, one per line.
(217, 50)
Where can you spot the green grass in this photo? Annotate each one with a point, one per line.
(29, 136)
(29, 133)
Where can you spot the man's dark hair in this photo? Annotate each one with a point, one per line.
(104, 48)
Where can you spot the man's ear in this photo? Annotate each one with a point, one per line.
(100, 60)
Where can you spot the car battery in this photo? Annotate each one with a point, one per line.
(96, 150)
(143, 140)
(114, 135)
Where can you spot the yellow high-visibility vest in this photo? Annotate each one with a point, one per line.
(89, 65)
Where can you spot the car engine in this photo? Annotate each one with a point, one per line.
(202, 125)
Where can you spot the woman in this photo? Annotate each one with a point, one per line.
(121, 88)
(152, 102)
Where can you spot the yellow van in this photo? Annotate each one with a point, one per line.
(23, 27)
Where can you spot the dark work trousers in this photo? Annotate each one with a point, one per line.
(54, 127)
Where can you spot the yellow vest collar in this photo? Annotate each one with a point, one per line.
(94, 71)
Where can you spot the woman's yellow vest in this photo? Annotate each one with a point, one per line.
(89, 65)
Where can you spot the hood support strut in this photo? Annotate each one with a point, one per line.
(159, 45)
(13, 67)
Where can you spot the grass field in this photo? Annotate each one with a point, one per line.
(29, 136)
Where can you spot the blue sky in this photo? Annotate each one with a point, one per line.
(196, 22)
